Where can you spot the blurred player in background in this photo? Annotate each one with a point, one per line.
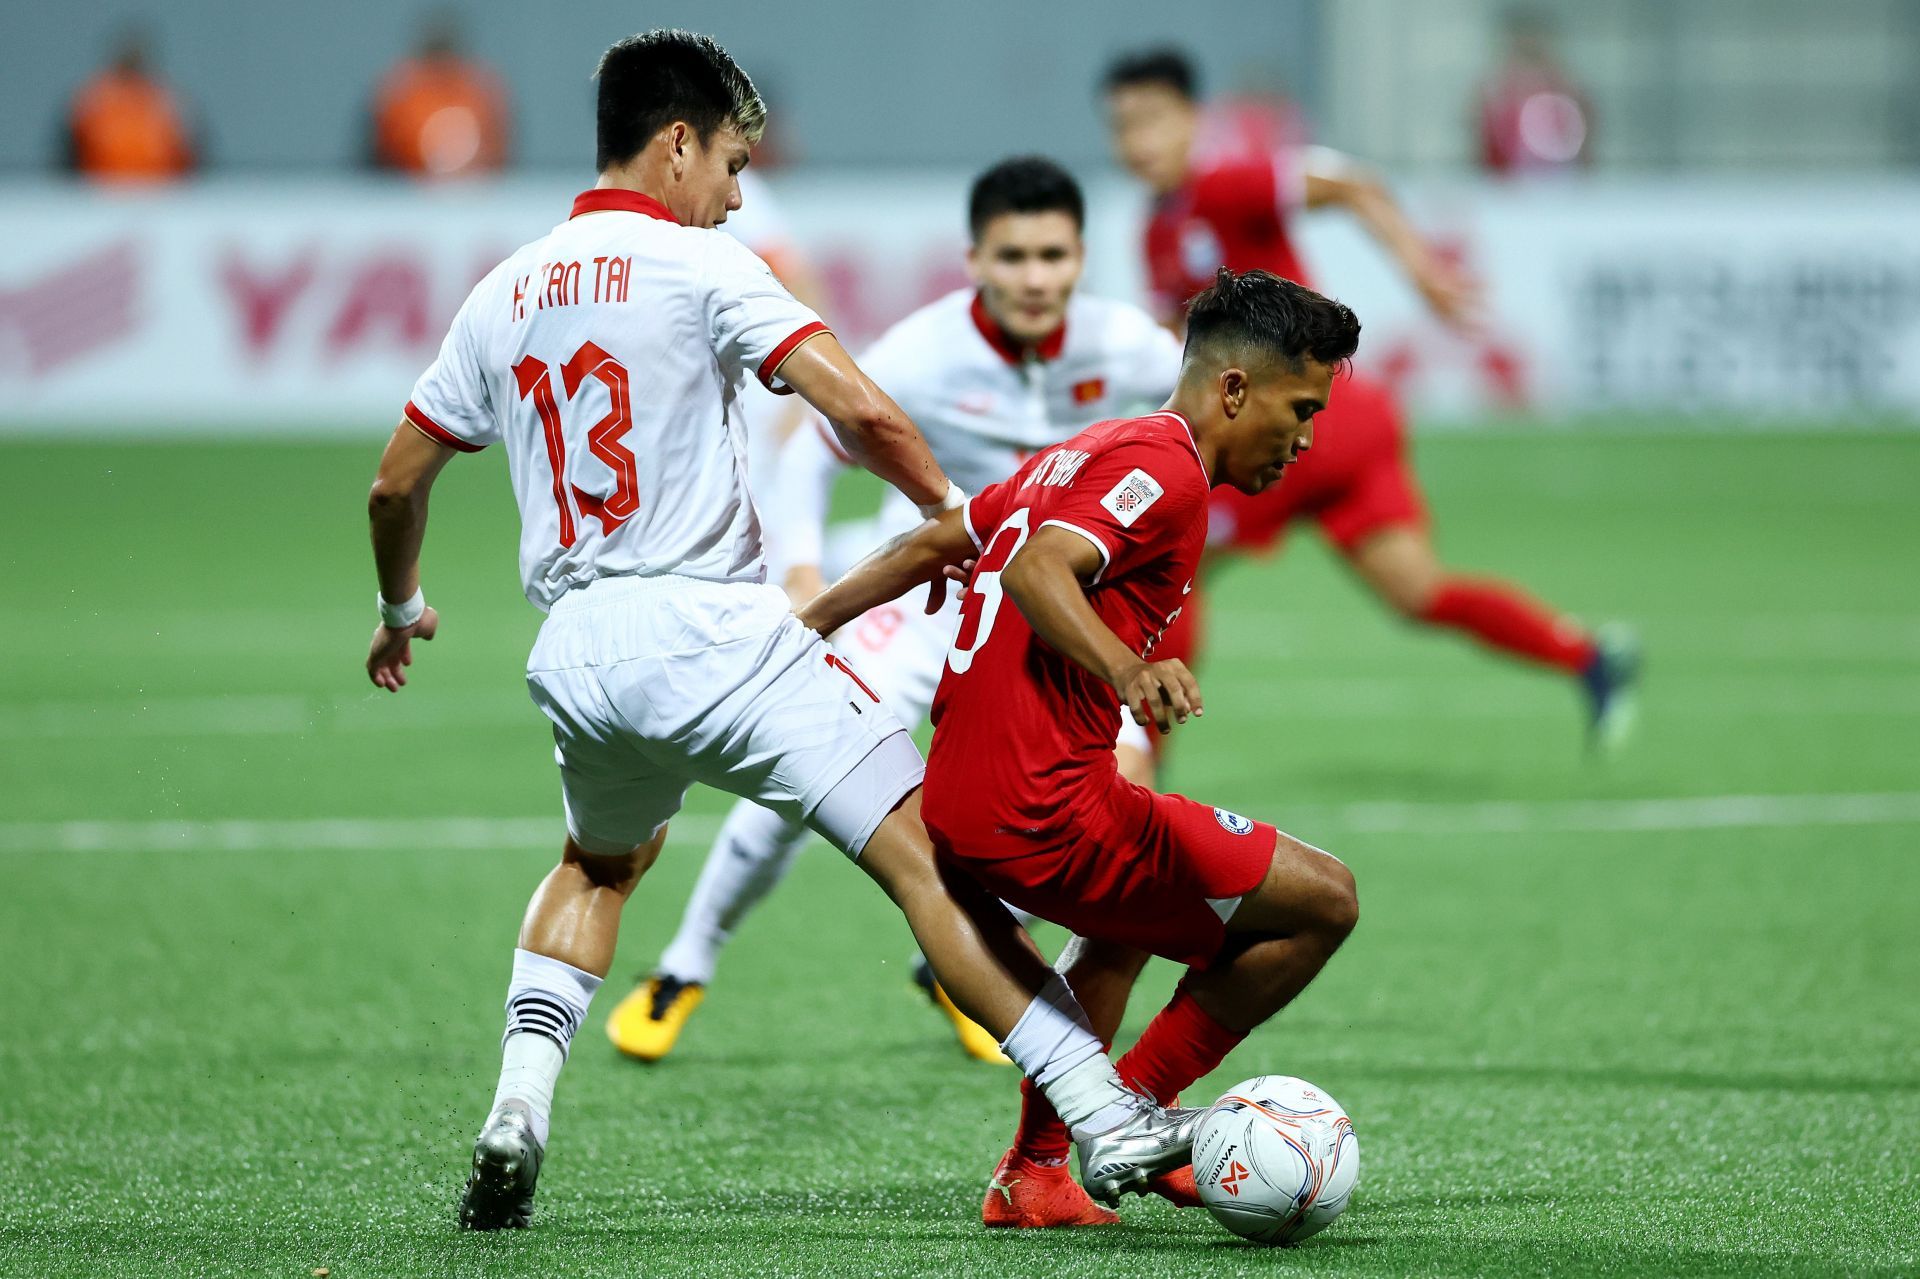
(770, 419)
(1530, 115)
(125, 124)
(439, 113)
(991, 375)
(665, 658)
(1095, 545)
(1358, 481)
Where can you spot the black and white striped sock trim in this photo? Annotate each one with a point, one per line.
(539, 1012)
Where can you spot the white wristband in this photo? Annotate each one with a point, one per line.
(956, 497)
(400, 616)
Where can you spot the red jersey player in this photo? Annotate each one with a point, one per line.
(1083, 558)
(1358, 484)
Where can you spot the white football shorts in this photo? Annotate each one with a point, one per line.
(654, 683)
(900, 651)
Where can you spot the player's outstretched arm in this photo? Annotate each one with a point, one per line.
(875, 431)
(1046, 580)
(918, 558)
(1334, 180)
(397, 513)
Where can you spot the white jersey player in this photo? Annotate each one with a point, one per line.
(991, 375)
(606, 358)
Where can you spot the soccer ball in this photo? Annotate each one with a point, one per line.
(1275, 1159)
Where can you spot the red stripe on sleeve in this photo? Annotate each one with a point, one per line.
(436, 432)
(771, 365)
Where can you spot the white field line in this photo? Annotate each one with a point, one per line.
(1700, 812)
(253, 716)
(1697, 812)
(322, 834)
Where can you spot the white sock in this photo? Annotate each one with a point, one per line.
(529, 1067)
(753, 853)
(1055, 1045)
(546, 1002)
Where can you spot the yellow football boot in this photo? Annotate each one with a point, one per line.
(646, 1023)
(974, 1038)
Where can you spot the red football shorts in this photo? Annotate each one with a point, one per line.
(1158, 872)
(1355, 480)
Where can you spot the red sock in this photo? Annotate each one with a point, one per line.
(1041, 1135)
(1179, 1045)
(1507, 618)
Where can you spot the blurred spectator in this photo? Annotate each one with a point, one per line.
(1533, 118)
(125, 125)
(439, 114)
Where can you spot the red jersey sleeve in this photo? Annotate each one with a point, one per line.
(1258, 191)
(1135, 502)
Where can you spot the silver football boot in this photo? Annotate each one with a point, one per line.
(506, 1164)
(1153, 1140)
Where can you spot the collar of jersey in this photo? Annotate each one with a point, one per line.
(603, 199)
(1047, 348)
(1192, 442)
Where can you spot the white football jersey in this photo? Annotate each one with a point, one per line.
(609, 356)
(985, 408)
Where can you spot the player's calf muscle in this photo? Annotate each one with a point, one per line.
(981, 956)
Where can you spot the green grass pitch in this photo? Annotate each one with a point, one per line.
(1597, 1019)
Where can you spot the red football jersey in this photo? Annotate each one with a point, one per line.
(1019, 730)
(1235, 213)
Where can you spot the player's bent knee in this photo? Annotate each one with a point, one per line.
(1410, 597)
(617, 871)
(1306, 890)
(1340, 911)
(899, 856)
(1332, 896)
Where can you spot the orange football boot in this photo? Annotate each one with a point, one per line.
(1039, 1196)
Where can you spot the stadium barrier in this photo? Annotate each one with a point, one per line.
(305, 307)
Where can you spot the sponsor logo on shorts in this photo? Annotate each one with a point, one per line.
(1234, 823)
(1132, 496)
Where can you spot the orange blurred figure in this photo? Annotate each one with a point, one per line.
(439, 115)
(124, 125)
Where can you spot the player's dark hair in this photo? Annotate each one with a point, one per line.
(1024, 184)
(1258, 311)
(650, 80)
(1166, 66)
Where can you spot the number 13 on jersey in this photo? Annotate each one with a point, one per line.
(535, 379)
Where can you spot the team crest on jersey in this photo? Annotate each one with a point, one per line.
(1234, 823)
(1132, 496)
(1090, 390)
